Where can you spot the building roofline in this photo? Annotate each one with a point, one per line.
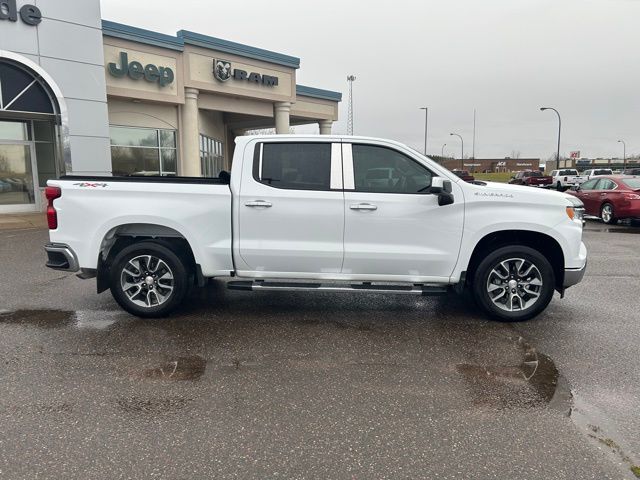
(234, 48)
(141, 35)
(313, 92)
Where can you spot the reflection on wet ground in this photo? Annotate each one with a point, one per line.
(533, 382)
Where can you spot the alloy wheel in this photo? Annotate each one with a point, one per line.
(147, 281)
(514, 284)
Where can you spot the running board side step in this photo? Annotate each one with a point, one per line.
(415, 289)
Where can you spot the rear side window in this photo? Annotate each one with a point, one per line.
(589, 185)
(294, 166)
(605, 184)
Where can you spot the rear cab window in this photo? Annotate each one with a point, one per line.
(293, 165)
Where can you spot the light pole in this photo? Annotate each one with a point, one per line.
(624, 155)
(461, 149)
(426, 122)
(442, 151)
(542, 109)
(350, 79)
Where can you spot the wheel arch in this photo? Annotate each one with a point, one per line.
(543, 243)
(123, 235)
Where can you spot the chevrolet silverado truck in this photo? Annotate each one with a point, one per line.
(315, 213)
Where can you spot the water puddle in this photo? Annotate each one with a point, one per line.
(82, 319)
(181, 368)
(534, 382)
(38, 318)
(152, 405)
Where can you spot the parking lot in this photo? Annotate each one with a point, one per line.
(287, 385)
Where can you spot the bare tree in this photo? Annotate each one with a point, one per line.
(515, 154)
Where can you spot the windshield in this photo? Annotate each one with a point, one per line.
(632, 183)
(568, 172)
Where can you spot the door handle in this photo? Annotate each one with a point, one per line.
(258, 203)
(363, 206)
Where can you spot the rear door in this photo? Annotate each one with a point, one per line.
(291, 210)
(393, 228)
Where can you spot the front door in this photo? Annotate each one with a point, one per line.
(291, 211)
(394, 229)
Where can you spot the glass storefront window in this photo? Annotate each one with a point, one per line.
(14, 131)
(143, 151)
(211, 156)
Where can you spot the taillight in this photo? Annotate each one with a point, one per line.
(52, 216)
(631, 196)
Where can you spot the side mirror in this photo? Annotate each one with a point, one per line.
(445, 198)
(443, 189)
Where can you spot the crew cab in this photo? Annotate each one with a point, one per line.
(531, 178)
(318, 213)
(566, 178)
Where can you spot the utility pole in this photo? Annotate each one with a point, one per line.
(542, 109)
(461, 149)
(426, 121)
(350, 79)
(624, 155)
(473, 147)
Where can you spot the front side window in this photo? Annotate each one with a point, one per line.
(294, 166)
(143, 151)
(383, 170)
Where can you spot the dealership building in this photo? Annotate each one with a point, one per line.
(87, 96)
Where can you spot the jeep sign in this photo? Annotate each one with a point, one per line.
(151, 73)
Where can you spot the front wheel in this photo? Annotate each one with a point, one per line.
(559, 187)
(148, 280)
(606, 213)
(513, 283)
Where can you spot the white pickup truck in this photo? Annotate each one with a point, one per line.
(314, 213)
(566, 178)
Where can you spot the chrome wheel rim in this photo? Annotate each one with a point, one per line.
(147, 281)
(607, 213)
(514, 284)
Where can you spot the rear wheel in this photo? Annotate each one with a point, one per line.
(147, 279)
(607, 214)
(513, 283)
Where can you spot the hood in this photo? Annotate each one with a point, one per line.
(524, 193)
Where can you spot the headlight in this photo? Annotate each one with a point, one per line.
(576, 213)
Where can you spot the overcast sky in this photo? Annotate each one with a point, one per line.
(506, 58)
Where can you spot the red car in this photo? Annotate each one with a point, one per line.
(532, 178)
(464, 175)
(610, 197)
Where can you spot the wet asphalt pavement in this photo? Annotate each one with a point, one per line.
(282, 385)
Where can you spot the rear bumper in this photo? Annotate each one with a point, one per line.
(61, 257)
(573, 276)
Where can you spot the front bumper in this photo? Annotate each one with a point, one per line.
(61, 257)
(573, 276)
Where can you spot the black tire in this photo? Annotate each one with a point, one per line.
(171, 264)
(559, 187)
(609, 219)
(484, 277)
